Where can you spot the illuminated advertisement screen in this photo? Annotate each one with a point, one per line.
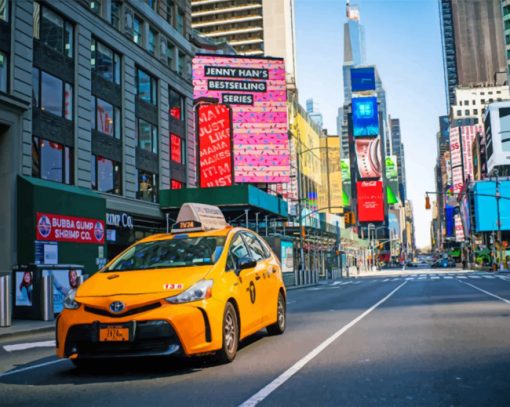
(485, 206)
(368, 157)
(215, 146)
(362, 79)
(370, 201)
(255, 90)
(365, 118)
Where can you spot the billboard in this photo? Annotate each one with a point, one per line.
(370, 201)
(365, 117)
(214, 146)
(362, 79)
(368, 157)
(485, 205)
(255, 89)
(345, 168)
(497, 134)
(391, 168)
(456, 160)
(63, 228)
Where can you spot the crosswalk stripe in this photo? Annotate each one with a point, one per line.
(475, 277)
(461, 277)
(448, 277)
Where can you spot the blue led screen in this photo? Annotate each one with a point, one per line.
(362, 79)
(486, 213)
(365, 118)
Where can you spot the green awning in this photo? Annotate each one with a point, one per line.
(37, 195)
(235, 199)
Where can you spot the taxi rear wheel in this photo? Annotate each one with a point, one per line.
(230, 335)
(281, 320)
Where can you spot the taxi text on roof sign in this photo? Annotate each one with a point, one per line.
(199, 217)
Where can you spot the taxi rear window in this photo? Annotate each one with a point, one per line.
(181, 252)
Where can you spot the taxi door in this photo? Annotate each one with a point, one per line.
(248, 298)
(266, 278)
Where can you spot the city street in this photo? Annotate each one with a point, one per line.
(400, 338)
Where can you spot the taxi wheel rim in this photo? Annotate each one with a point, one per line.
(281, 313)
(230, 332)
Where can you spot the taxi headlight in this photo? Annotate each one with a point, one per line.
(200, 291)
(70, 302)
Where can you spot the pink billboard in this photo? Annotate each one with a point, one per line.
(256, 92)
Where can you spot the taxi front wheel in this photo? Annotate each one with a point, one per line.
(230, 335)
(279, 326)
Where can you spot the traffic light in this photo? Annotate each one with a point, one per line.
(427, 202)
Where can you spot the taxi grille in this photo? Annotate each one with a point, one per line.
(150, 338)
(133, 311)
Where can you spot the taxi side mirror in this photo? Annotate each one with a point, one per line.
(245, 263)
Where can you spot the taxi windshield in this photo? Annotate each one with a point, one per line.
(176, 252)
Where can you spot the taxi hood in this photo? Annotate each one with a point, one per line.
(169, 281)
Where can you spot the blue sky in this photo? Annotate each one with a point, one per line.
(403, 39)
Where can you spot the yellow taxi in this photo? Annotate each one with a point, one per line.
(197, 290)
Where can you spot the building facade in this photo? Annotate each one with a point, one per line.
(471, 102)
(96, 105)
(251, 27)
(473, 43)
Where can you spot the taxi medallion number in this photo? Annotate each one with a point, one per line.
(113, 334)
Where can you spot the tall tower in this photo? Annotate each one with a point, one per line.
(473, 43)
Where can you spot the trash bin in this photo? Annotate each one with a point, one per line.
(39, 290)
(5, 301)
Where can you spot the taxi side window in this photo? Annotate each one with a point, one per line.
(237, 251)
(256, 247)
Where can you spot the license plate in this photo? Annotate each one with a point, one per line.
(113, 334)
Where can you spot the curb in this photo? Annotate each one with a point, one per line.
(297, 287)
(26, 332)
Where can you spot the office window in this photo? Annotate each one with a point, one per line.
(106, 175)
(105, 121)
(51, 161)
(95, 6)
(170, 54)
(51, 94)
(174, 184)
(93, 113)
(35, 87)
(116, 13)
(466, 112)
(176, 102)
(105, 62)
(68, 101)
(147, 135)
(459, 112)
(146, 87)
(153, 4)
(4, 71)
(52, 30)
(181, 63)
(147, 186)
(137, 30)
(179, 24)
(178, 151)
(4, 10)
(483, 101)
(460, 103)
(475, 111)
(170, 12)
(151, 43)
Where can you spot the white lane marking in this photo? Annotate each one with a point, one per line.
(448, 277)
(290, 302)
(434, 278)
(486, 292)
(346, 282)
(336, 283)
(463, 277)
(29, 345)
(24, 369)
(410, 279)
(488, 276)
(474, 276)
(271, 387)
(386, 279)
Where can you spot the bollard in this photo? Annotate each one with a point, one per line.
(5, 301)
(47, 298)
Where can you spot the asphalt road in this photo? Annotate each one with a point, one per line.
(422, 338)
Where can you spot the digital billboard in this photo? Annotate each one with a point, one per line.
(368, 157)
(255, 89)
(370, 201)
(214, 146)
(365, 117)
(485, 205)
(362, 79)
(345, 168)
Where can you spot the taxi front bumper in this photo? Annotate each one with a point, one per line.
(169, 329)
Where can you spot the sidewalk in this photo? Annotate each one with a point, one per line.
(21, 327)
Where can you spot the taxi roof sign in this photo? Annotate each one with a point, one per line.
(195, 217)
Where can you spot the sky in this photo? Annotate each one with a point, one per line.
(403, 40)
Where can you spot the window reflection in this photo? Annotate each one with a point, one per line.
(147, 186)
(51, 94)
